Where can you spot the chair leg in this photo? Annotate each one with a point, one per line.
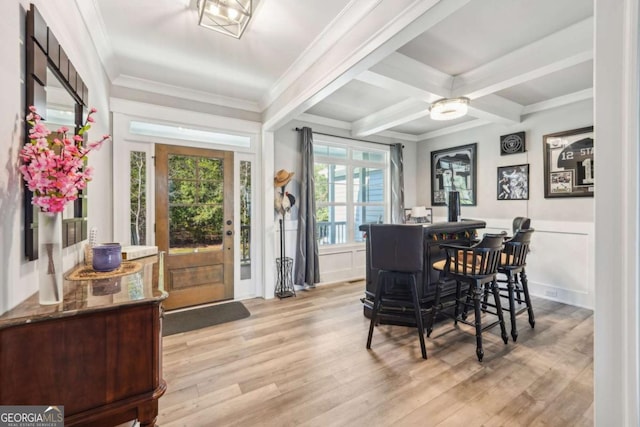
(416, 309)
(527, 298)
(485, 298)
(512, 305)
(434, 308)
(376, 307)
(517, 288)
(496, 297)
(477, 296)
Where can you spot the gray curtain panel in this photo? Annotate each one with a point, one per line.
(307, 270)
(397, 185)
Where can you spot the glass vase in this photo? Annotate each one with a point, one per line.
(50, 258)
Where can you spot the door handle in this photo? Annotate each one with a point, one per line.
(229, 232)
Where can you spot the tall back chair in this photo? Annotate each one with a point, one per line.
(521, 223)
(397, 251)
(476, 266)
(512, 264)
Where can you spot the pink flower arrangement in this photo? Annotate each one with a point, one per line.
(53, 167)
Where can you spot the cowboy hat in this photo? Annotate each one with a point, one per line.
(282, 178)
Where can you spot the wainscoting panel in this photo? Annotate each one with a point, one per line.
(341, 264)
(561, 264)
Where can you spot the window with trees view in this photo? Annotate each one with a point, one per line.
(351, 189)
(138, 197)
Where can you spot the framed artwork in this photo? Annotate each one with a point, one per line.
(513, 182)
(454, 169)
(407, 216)
(429, 218)
(568, 163)
(513, 143)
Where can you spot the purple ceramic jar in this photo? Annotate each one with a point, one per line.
(107, 256)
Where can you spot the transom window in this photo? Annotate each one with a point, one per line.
(351, 188)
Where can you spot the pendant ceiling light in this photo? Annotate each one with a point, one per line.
(229, 17)
(449, 108)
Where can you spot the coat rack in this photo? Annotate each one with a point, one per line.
(283, 203)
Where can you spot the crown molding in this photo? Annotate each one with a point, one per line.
(177, 116)
(94, 23)
(184, 93)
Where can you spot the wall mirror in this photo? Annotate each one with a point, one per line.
(60, 95)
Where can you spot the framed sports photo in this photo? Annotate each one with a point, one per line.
(454, 169)
(569, 163)
(513, 182)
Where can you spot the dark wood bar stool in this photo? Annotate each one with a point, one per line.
(512, 264)
(477, 267)
(520, 223)
(397, 251)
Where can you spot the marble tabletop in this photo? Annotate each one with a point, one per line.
(83, 296)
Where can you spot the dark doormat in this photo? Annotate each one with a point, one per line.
(198, 318)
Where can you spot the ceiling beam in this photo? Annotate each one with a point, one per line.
(395, 115)
(381, 32)
(403, 70)
(563, 49)
(496, 109)
(559, 101)
(453, 129)
(402, 75)
(397, 87)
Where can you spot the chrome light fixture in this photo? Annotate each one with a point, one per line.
(228, 17)
(449, 108)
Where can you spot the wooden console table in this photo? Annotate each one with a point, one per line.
(98, 353)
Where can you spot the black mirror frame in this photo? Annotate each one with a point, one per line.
(44, 51)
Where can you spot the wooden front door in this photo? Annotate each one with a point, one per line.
(194, 223)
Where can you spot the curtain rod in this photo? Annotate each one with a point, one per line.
(347, 137)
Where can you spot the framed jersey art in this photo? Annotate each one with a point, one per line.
(569, 163)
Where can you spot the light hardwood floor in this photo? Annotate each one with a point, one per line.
(302, 362)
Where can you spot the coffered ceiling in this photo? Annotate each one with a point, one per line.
(371, 66)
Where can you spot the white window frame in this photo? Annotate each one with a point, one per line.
(350, 145)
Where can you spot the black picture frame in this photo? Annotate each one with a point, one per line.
(454, 169)
(569, 163)
(513, 182)
(513, 143)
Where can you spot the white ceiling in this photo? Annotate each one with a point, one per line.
(510, 57)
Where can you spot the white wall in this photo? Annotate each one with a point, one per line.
(561, 264)
(18, 277)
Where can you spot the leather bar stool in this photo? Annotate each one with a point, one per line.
(512, 264)
(398, 252)
(476, 266)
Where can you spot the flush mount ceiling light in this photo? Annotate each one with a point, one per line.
(229, 17)
(449, 108)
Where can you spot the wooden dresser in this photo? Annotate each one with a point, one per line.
(98, 353)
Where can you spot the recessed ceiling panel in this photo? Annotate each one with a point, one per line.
(486, 30)
(160, 40)
(354, 101)
(564, 82)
